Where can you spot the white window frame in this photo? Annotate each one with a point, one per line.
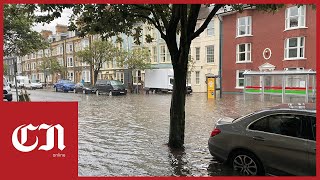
(70, 63)
(155, 54)
(301, 17)
(71, 75)
(238, 78)
(197, 74)
(162, 53)
(248, 26)
(246, 52)
(207, 54)
(69, 47)
(298, 47)
(197, 50)
(210, 28)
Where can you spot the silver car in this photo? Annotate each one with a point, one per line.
(279, 141)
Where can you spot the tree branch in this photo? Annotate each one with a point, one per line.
(207, 21)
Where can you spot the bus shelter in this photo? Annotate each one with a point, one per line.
(287, 83)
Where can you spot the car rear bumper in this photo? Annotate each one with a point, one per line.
(219, 153)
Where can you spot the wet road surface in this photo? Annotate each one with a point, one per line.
(127, 135)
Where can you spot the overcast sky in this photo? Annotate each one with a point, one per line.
(64, 20)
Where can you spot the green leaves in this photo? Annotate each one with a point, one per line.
(19, 38)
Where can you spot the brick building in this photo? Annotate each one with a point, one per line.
(260, 41)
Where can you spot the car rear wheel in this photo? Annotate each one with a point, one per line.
(246, 163)
(56, 89)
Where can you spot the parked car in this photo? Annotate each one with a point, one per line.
(111, 87)
(85, 88)
(279, 141)
(36, 84)
(64, 85)
(7, 94)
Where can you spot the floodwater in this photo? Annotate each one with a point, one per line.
(127, 135)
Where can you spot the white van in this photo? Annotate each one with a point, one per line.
(22, 81)
(7, 94)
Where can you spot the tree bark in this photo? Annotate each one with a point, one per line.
(95, 76)
(177, 110)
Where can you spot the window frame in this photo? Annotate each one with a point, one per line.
(210, 28)
(246, 51)
(301, 14)
(248, 24)
(197, 53)
(238, 78)
(298, 47)
(210, 54)
(197, 78)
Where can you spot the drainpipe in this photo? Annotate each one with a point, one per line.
(220, 53)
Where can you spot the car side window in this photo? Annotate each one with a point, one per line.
(308, 131)
(284, 124)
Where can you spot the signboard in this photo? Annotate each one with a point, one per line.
(211, 87)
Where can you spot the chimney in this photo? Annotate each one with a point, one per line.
(61, 28)
(46, 33)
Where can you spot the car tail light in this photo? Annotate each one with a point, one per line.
(215, 132)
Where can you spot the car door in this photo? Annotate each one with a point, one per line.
(109, 86)
(276, 141)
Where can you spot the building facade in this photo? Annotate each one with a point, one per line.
(260, 41)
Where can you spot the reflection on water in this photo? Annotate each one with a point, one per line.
(127, 135)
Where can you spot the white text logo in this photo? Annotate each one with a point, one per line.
(49, 135)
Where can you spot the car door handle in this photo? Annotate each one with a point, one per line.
(258, 138)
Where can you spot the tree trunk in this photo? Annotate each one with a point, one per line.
(177, 110)
(95, 76)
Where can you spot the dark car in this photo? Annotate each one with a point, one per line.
(64, 85)
(85, 88)
(110, 87)
(278, 141)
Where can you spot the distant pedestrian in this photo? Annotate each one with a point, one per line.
(82, 81)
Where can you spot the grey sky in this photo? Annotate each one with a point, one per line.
(64, 19)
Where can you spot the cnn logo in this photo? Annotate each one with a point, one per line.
(49, 137)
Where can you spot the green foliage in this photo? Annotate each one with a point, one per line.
(19, 38)
(136, 59)
(98, 53)
(51, 65)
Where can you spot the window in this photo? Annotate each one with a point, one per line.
(244, 26)
(240, 79)
(70, 76)
(155, 55)
(197, 77)
(294, 48)
(60, 50)
(162, 53)
(70, 47)
(210, 29)
(197, 27)
(295, 17)
(244, 53)
(197, 53)
(86, 76)
(40, 53)
(189, 77)
(60, 60)
(286, 124)
(69, 62)
(210, 54)
(85, 43)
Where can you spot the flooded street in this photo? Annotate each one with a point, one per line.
(127, 135)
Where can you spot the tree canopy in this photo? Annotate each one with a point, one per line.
(18, 36)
